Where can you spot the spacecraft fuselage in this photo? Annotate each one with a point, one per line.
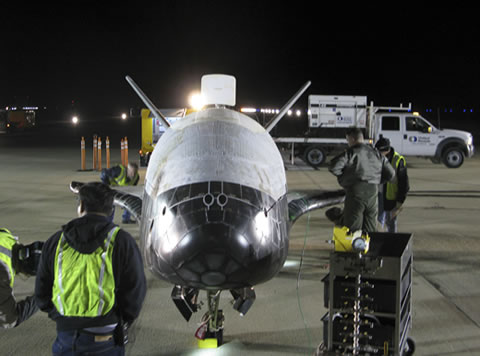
(215, 212)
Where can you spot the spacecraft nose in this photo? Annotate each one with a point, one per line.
(220, 238)
(215, 253)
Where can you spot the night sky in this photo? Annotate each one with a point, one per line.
(53, 55)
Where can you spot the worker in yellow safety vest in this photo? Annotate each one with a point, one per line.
(91, 280)
(16, 258)
(392, 194)
(120, 175)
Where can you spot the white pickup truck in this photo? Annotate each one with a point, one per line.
(410, 134)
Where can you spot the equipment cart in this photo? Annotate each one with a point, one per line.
(369, 299)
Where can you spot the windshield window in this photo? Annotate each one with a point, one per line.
(416, 123)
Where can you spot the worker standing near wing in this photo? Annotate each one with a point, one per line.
(16, 258)
(359, 170)
(392, 194)
(90, 279)
(120, 175)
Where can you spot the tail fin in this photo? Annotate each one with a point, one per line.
(158, 115)
(287, 107)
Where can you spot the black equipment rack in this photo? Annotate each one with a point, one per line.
(369, 299)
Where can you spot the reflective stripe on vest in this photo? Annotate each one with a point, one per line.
(392, 187)
(84, 284)
(7, 241)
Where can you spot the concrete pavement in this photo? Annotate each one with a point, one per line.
(441, 212)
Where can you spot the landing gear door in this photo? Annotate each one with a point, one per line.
(419, 137)
(389, 127)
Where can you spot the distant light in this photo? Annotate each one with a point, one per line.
(197, 101)
(75, 120)
(289, 112)
(298, 113)
(248, 110)
(124, 116)
(415, 113)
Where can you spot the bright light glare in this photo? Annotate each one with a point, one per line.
(197, 101)
(124, 116)
(262, 226)
(248, 110)
(298, 113)
(75, 120)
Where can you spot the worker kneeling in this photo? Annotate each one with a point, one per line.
(16, 258)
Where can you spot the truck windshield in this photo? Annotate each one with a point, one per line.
(416, 123)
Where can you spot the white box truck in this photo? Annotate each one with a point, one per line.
(329, 116)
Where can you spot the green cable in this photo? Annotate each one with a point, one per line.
(298, 283)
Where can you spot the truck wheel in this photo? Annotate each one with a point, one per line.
(453, 157)
(410, 349)
(314, 156)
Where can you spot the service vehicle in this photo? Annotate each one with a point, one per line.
(12, 119)
(329, 117)
(152, 130)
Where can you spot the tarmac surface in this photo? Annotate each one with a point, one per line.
(440, 211)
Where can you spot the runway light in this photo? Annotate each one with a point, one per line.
(248, 110)
(197, 101)
(289, 112)
(75, 120)
(298, 113)
(124, 116)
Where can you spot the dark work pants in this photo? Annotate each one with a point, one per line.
(75, 343)
(25, 309)
(361, 207)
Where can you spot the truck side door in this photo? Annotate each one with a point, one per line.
(418, 137)
(389, 127)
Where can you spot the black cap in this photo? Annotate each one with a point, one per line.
(383, 144)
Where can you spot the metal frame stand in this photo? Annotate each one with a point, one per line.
(369, 299)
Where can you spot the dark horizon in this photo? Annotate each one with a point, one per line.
(81, 54)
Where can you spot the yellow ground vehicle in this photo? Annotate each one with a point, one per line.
(152, 130)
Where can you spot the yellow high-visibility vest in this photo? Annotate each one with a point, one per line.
(121, 179)
(392, 187)
(7, 241)
(84, 284)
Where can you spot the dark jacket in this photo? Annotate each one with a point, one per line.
(85, 235)
(361, 163)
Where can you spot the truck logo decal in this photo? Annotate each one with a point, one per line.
(419, 139)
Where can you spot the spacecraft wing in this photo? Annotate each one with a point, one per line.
(301, 202)
(130, 202)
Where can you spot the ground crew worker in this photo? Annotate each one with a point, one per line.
(120, 175)
(392, 195)
(359, 170)
(16, 258)
(90, 279)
